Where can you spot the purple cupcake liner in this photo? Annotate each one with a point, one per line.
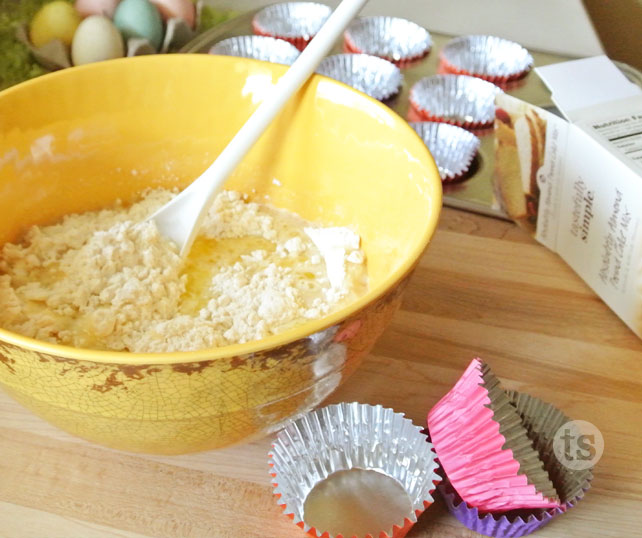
(496, 525)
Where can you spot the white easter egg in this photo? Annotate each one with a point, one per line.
(96, 39)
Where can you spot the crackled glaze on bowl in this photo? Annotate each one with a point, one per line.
(192, 406)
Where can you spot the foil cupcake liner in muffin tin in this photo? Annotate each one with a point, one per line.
(373, 76)
(296, 22)
(465, 101)
(397, 40)
(452, 147)
(488, 57)
(268, 49)
(347, 437)
(476, 193)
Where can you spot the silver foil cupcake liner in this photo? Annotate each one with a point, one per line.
(452, 147)
(268, 49)
(465, 101)
(347, 437)
(397, 40)
(491, 58)
(373, 76)
(296, 22)
(542, 420)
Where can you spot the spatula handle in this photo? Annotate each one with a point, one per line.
(196, 198)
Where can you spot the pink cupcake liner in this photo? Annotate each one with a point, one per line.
(541, 420)
(472, 441)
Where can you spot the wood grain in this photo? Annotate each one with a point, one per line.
(483, 288)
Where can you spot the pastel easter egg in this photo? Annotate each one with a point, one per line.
(56, 20)
(96, 7)
(139, 18)
(177, 9)
(95, 40)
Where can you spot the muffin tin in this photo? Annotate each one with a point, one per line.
(474, 194)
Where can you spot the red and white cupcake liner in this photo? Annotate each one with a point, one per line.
(399, 41)
(452, 147)
(349, 436)
(268, 49)
(465, 101)
(371, 75)
(295, 22)
(491, 58)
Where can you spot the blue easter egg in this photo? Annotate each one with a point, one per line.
(139, 18)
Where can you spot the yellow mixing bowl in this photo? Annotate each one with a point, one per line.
(78, 139)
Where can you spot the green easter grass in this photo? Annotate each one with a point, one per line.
(211, 16)
(16, 62)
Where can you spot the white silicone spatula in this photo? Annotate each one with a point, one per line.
(180, 219)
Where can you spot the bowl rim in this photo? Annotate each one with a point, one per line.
(283, 338)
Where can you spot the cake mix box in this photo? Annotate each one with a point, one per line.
(576, 182)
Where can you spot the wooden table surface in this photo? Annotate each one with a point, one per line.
(483, 288)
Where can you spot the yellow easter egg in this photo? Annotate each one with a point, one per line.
(56, 20)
